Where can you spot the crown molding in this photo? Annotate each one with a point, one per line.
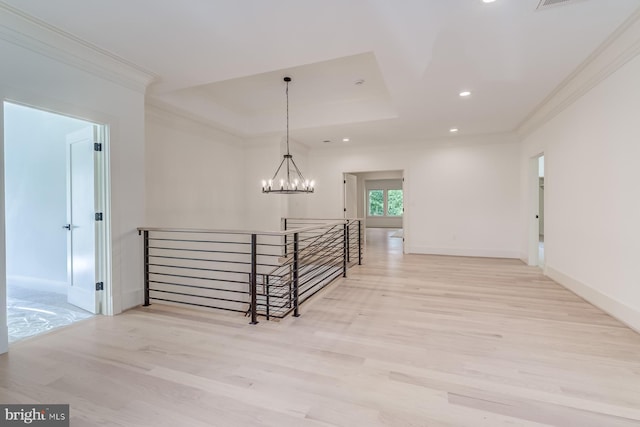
(21, 29)
(167, 114)
(620, 47)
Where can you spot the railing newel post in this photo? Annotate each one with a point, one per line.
(347, 236)
(296, 312)
(345, 249)
(254, 285)
(146, 268)
(284, 222)
(267, 298)
(359, 242)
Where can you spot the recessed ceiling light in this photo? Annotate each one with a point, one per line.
(359, 82)
(488, 1)
(453, 130)
(345, 139)
(465, 93)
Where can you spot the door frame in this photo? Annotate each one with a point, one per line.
(345, 199)
(103, 262)
(533, 181)
(363, 199)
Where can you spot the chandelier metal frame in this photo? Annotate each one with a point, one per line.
(291, 181)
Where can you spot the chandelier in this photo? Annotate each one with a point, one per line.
(288, 179)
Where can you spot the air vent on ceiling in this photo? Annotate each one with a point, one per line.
(544, 4)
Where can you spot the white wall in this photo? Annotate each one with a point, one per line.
(36, 196)
(262, 211)
(462, 196)
(194, 174)
(37, 79)
(592, 203)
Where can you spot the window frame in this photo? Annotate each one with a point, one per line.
(384, 205)
(385, 202)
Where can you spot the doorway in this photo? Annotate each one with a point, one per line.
(537, 210)
(541, 211)
(379, 198)
(54, 200)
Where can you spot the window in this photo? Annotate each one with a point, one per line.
(376, 202)
(385, 203)
(394, 203)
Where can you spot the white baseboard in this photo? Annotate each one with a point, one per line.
(132, 299)
(485, 253)
(524, 258)
(627, 315)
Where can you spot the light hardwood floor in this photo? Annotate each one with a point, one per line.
(404, 341)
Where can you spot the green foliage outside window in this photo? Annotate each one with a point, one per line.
(376, 202)
(394, 203)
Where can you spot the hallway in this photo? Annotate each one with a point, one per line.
(405, 340)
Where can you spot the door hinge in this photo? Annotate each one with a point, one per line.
(345, 209)
(98, 216)
(97, 146)
(344, 181)
(100, 286)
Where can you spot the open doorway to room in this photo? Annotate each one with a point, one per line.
(541, 211)
(378, 197)
(537, 212)
(55, 207)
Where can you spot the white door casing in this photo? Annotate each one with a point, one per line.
(350, 196)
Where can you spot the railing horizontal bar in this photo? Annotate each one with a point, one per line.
(198, 250)
(214, 251)
(323, 219)
(270, 266)
(321, 288)
(310, 259)
(329, 235)
(197, 296)
(197, 268)
(323, 272)
(198, 278)
(200, 305)
(219, 261)
(240, 232)
(284, 305)
(221, 242)
(316, 267)
(199, 287)
(320, 274)
(268, 255)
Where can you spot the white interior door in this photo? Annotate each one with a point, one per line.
(81, 217)
(350, 196)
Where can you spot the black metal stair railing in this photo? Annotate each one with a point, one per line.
(355, 234)
(266, 274)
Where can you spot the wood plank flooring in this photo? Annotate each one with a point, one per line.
(404, 341)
